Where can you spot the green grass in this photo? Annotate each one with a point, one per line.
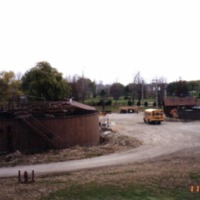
(94, 191)
(114, 107)
(194, 175)
(93, 154)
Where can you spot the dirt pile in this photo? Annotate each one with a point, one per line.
(112, 142)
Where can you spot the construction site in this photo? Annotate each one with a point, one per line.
(33, 127)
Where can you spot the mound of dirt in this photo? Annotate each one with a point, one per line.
(111, 142)
(119, 142)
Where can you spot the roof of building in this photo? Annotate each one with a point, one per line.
(180, 101)
(76, 104)
(153, 109)
(42, 108)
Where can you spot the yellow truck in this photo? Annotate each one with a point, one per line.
(155, 116)
(128, 109)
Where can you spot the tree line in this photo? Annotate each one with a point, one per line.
(45, 83)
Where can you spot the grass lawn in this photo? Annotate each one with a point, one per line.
(114, 107)
(168, 178)
(94, 191)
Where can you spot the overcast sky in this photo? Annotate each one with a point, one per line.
(108, 40)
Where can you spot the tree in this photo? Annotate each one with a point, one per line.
(92, 86)
(102, 93)
(179, 89)
(146, 104)
(45, 82)
(194, 87)
(9, 86)
(81, 87)
(137, 87)
(116, 90)
(130, 90)
(159, 89)
(72, 81)
(102, 98)
(127, 91)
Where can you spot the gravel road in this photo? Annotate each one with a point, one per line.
(158, 140)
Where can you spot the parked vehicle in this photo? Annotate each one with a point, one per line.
(153, 116)
(128, 109)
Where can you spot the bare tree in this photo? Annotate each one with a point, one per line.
(72, 81)
(116, 90)
(159, 89)
(137, 87)
(81, 87)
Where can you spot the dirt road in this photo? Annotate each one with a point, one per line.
(158, 140)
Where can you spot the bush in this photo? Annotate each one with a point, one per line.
(146, 104)
(103, 102)
(138, 103)
(91, 103)
(130, 103)
(108, 102)
(100, 103)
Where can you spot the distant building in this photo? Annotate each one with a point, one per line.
(181, 105)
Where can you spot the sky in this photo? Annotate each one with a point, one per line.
(106, 40)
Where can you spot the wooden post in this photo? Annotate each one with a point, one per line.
(25, 177)
(19, 176)
(33, 176)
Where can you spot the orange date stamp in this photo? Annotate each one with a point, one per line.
(194, 188)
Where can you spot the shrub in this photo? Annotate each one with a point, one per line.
(100, 103)
(145, 103)
(130, 103)
(138, 103)
(108, 102)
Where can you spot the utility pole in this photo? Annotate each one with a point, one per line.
(142, 92)
(156, 90)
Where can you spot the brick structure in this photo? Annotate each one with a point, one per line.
(53, 125)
